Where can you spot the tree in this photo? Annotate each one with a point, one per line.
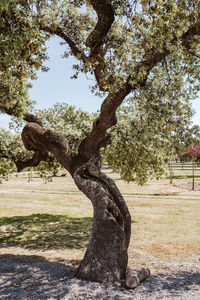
(127, 46)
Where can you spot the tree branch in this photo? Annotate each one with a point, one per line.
(32, 162)
(105, 13)
(42, 140)
(3, 155)
(190, 34)
(60, 33)
(95, 40)
(32, 118)
(153, 57)
(9, 111)
(107, 117)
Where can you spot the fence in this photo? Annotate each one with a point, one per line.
(183, 166)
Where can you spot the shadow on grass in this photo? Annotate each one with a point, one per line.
(45, 231)
(164, 194)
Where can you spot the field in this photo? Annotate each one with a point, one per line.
(53, 220)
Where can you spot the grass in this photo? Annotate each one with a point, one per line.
(45, 231)
(54, 220)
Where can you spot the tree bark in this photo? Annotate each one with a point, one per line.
(106, 257)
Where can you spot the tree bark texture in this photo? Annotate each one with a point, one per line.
(106, 257)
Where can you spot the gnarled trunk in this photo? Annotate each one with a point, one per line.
(106, 257)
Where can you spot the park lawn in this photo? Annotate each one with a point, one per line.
(54, 220)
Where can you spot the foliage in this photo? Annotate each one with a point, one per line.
(65, 119)
(140, 142)
(152, 47)
(74, 123)
(145, 134)
(11, 149)
(22, 52)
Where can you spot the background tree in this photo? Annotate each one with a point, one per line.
(127, 46)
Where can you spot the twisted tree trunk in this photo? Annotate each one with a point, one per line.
(106, 257)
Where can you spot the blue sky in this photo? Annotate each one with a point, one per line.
(56, 86)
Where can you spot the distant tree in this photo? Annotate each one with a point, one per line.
(193, 152)
(148, 48)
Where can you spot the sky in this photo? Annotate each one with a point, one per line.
(56, 86)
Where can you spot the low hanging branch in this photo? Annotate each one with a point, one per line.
(32, 162)
(40, 140)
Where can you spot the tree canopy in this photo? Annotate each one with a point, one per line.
(146, 47)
